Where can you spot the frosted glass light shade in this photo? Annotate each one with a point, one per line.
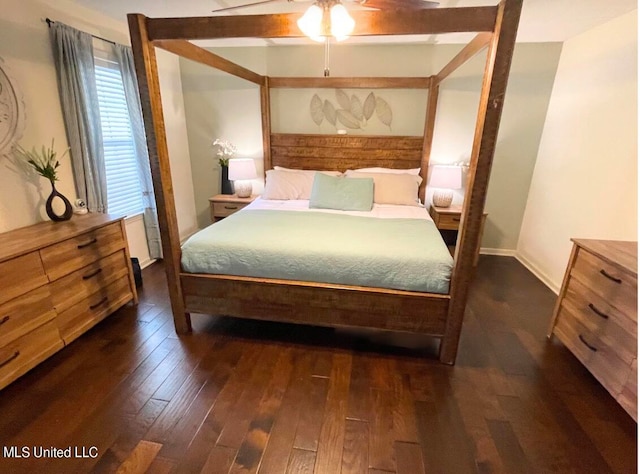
(311, 23)
(241, 170)
(318, 21)
(341, 22)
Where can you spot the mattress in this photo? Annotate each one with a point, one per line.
(394, 247)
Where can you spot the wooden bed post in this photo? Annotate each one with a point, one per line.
(265, 105)
(149, 86)
(491, 102)
(429, 127)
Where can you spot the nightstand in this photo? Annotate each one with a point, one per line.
(447, 220)
(223, 205)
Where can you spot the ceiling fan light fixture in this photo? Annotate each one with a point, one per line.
(326, 18)
(341, 22)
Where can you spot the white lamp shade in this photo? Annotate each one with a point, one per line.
(447, 177)
(242, 168)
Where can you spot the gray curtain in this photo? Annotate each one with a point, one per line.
(73, 57)
(127, 68)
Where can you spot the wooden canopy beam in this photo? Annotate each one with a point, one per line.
(149, 86)
(265, 108)
(351, 82)
(195, 53)
(400, 22)
(429, 127)
(476, 45)
(494, 86)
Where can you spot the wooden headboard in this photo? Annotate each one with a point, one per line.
(343, 152)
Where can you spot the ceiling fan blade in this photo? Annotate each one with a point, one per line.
(398, 4)
(246, 5)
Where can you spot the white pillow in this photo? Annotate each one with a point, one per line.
(289, 184)
(330, 173)
(392, 188)
(414, 171)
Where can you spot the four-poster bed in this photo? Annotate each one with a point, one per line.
(321, 303)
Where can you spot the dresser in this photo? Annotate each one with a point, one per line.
(596, 314)
(57, 280)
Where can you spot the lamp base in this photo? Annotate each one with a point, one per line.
(442, 197)
(243, 188)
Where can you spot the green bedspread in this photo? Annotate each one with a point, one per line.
(402, 254)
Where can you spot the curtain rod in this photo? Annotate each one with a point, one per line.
(50, 22)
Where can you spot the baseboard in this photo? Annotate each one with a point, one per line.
(540, 275)
(497, 252)
(147, 262)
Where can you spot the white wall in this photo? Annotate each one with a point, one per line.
(220, 106)
(585, 179)
(177, 141)
(26, 51)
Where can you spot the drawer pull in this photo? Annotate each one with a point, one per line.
(456, 219)
(231, 208)
(597, 311)
(4, 320)
(91, 242)
(13, 357)
(91, 275)
(612, 278)
(594, 349)
(99, 303)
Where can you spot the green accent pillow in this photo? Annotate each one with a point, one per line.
(343, 194)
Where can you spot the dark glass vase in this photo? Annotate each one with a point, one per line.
(225, 184)
(68, 209)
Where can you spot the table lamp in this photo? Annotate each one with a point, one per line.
(445, 179)
(241, 171)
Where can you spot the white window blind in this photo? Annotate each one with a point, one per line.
(124, 194)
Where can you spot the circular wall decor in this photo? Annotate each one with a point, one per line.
(12, 111)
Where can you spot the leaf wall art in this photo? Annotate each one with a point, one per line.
(351, 112)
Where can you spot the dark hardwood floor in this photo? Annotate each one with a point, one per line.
(244, 396)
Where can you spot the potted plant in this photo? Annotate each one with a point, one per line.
(224, 151)
(46, 163)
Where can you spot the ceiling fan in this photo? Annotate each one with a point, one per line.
(329, 18)
(375, 4)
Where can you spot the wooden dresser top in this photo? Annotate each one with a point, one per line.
(27, 239)
(622, 254)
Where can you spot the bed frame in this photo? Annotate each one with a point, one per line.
(317, 303)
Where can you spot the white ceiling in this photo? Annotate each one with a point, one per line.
(542, 20)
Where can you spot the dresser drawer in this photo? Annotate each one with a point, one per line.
(72, 254)
(25, 313)
(20, 275)
(593, 349)
(85, 314)
(629, 396)
(26, 352)
(596, 310)
(224, 209)
(82, 283)
(448, 221)
(616, 287)
(605, 323)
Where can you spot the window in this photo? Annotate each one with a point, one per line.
(124, 194)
